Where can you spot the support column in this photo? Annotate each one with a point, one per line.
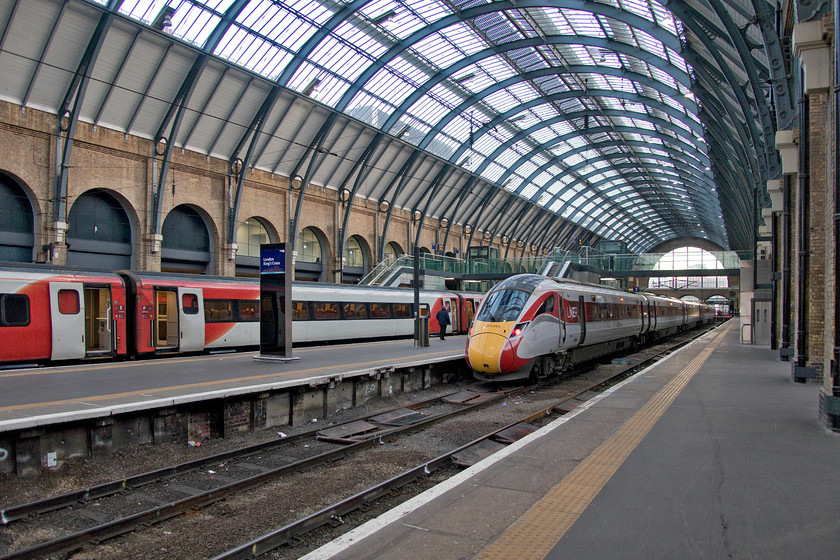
(786, 143)
(809, 44)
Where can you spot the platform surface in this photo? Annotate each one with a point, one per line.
(37, 396)
(712, 453)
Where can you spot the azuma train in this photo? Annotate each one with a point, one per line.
(52, 314)
(530, 325)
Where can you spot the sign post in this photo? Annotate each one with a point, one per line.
(275, 303)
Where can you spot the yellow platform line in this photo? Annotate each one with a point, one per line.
(537, 532)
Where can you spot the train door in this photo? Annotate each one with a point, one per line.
(454, 316)
(582, 319)
(562, 315)
(166, 319)
(99, 335)
(67, 316)
(191, 316)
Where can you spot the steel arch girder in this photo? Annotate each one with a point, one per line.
(659, 33)
(664, 89)
(566, 118)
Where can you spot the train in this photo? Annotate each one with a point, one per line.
(53, 314)
(531, 326)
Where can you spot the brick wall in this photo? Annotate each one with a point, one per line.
(123, 166)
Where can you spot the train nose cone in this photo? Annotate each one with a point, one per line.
(490, 353)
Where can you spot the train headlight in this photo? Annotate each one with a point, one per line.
(517, 330)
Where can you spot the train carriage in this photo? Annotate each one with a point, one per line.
(52, 314)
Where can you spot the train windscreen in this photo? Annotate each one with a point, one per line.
(502, 305)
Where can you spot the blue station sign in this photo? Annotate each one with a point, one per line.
(272, 261)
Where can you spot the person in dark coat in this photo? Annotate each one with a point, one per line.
(443, 319)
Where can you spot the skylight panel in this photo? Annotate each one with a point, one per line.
(497, 68)
(438, 51)
(430, 10)
(390, 86)
(443, 146)
(196, 25)
(361, 39)
(527, 167)
(463, 38)
(529, 192)
(677, 60)
(448, 95)
(543, 135)
(317, 12)
(523, 91)
(640, 8)
(406, 67)
(429, 110)
(339, 58)
(545, 111)
(280, 25)
(493, 172)
(330, 89)
(584, 23)
(486, 144)
(554, 19)
(501, 101)
(458, 128)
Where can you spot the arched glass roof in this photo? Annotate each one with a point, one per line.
(624, 117)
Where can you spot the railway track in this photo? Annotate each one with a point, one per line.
(89, 516)
(117, 507)
(333, 516)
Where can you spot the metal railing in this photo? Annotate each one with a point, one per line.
(535, 265)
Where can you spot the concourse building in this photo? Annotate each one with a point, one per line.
(178, 136)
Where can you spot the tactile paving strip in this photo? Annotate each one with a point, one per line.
(537, 532)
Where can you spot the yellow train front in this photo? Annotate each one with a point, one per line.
(519, 320)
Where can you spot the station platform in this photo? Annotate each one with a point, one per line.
(714, 452)
(33, 397)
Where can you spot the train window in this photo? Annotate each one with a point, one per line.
(68, 302)
(355, 311)
(14, 310)
(300, 311)
(249, 311)
(218, 310)
(547, 306)
(403, 310)
(380, 311)
(326, 310)
(502, 305)
(190, 304)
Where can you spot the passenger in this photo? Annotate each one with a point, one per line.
(443, 319)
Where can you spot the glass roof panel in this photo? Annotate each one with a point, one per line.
(268, 34)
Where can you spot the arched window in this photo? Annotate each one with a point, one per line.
(186, 242)
(308, 246)
(309, 263)
(99, 232)
(393, 251)
(687, 258)
(17, 225)
(250, 235)
(353, 256)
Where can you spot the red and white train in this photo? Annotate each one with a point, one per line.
(51, 314)
(535, 325)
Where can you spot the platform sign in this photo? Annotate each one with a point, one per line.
(275, 301)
